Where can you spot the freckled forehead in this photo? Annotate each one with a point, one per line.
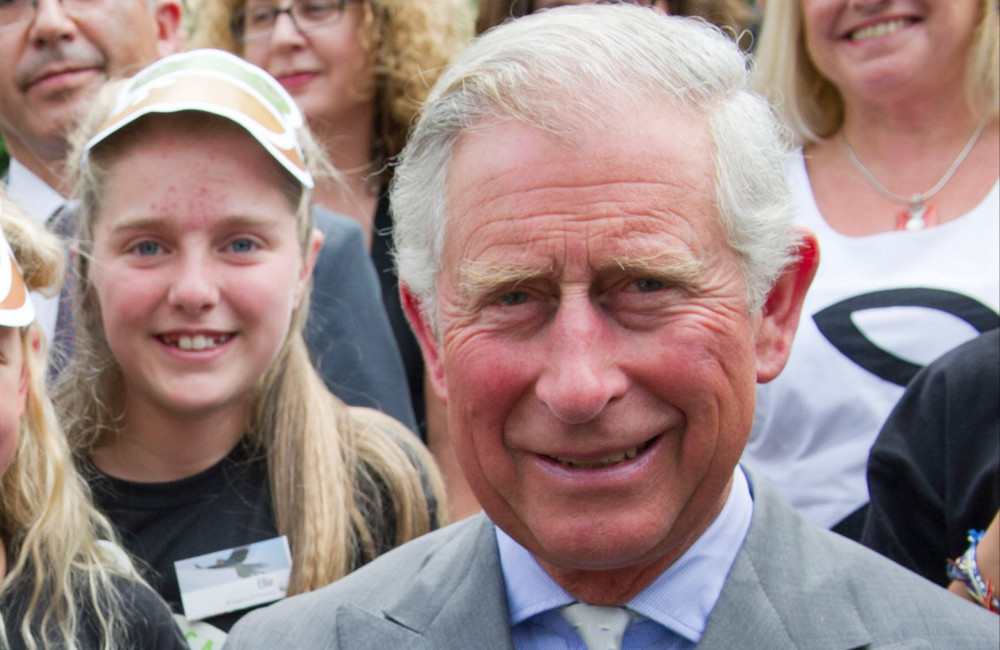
(630, 186)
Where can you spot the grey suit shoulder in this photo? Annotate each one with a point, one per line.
(792, 586)
(440, 590)
(348, 332)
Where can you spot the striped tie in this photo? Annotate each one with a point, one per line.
(63, 223)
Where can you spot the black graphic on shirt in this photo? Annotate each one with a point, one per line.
(836, 325)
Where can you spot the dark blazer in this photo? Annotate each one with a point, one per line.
(792, 585)
(348, 333)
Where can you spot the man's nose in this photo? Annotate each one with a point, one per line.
(52, 22)
(581, 375)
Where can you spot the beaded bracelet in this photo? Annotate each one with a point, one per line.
(966, 570)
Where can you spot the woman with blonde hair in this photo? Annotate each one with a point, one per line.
(192, 399)
(895, 106)
(63, 583)
(359, 71)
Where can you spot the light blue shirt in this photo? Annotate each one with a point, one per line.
(675, 607)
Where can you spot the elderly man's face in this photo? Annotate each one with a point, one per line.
(596, 349)
(51, 65)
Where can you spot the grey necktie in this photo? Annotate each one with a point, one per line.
(63, 223)
(601, 628)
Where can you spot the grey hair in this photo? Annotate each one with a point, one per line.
(566, 71)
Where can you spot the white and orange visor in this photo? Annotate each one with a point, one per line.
(220, 83)
(16, 309)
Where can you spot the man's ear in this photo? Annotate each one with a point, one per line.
(430, 345)
(783, 306)
(167, 14)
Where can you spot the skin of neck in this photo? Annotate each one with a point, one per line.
(159, 445)
(347, 143)
(48, 163)
(909, 133)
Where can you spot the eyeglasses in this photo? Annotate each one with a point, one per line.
(256, 22)
(13, 12)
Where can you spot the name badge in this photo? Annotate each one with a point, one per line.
(234, 578)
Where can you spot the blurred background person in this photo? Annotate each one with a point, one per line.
(359, 70)
(737, 15)
(934, 470)
(63, 582)
(895, 105)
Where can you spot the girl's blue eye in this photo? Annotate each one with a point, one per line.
(242, 245)
(147, 248)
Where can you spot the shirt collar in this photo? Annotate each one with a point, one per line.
(31, 193)
(680, 599)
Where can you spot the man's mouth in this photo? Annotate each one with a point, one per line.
(197, 342)
(879, 29)
(607, 461)
(58, 76)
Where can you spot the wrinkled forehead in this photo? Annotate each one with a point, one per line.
(536, 162)
(627, 189)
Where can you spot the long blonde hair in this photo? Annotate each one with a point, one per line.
(46, 515)
(811, 103)
(409, 43)
(322, 455)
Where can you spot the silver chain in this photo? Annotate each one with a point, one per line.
(915, 199)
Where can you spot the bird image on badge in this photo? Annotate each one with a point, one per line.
(236, 560)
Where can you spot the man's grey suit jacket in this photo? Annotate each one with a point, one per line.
(792, 586)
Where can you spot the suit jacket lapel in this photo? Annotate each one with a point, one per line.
(457, 600)
(782, 592)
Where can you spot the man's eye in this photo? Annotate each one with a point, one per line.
(514, 298)
(647, 285)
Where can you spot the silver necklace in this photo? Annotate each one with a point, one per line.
(917, 208)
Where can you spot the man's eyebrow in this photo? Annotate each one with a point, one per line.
(674, 267)
(477, 279)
